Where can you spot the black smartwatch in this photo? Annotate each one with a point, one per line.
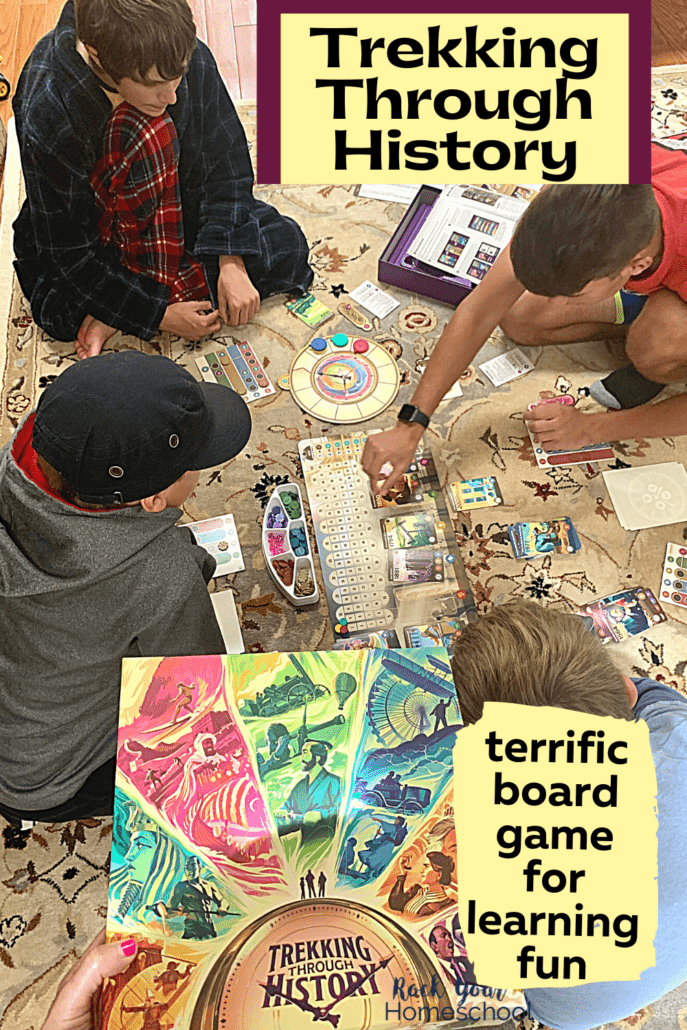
(409, 413)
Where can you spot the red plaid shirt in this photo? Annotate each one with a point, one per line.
(136, 186)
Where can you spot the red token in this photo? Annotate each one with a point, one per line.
(360, 346)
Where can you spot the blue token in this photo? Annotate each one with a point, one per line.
(318, 344)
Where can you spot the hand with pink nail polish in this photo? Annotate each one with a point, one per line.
(72, 1007)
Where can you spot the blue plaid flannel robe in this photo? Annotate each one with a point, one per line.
(63, 269)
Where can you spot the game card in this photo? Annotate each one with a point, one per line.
(406, 491)
(674, 579)
(310, 310)
(416, 565)
(531, 539)
(443, 633)
(469, 494)
(624, 614)
(554, 459)
(369, 641)
(413, 530)
(505, 367)
(376, 300)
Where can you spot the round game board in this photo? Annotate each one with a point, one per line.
(343, 378)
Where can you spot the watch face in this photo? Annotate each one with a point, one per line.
(313, 962)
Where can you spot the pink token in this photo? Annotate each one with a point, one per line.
(360, 346)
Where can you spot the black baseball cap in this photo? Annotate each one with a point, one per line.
(124, 425)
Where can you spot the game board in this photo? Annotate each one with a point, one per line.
(279, 820)
(674, 580)
(237, 367)
(391, 566)
(218, 536)
(342, 379)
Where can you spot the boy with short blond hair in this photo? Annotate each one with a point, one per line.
(522, 653)
(139, 211)
(93, 567)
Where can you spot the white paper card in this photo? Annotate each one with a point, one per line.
(227, 617)
(374, 299)
(506, 367)
(651, 495)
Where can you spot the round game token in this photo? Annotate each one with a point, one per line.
(318, 344)
(360, 346)
(339, 339)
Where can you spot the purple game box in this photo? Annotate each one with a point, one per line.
(398, 268)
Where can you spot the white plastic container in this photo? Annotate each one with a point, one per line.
(284, 533)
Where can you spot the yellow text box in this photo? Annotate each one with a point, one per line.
(454, 98)
(558, 873)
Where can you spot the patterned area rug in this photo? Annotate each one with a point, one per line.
(53, 880)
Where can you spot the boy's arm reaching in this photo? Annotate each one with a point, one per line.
(470, 326)
(228, 223)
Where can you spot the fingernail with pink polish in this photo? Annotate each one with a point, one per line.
(128, 947)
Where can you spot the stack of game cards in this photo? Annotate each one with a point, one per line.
(532, 539)
(624, 614)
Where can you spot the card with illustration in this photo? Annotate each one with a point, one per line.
(416, 565)
(470, 494)
(405, 531)
(442, 633)
(531, 539)
(310, 310)
(624, 614)
(406, 491)
(369, 641)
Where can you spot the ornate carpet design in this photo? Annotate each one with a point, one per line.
(53, 879)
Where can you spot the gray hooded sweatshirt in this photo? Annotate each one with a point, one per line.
(79, 591)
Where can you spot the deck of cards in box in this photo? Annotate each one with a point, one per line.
(532, 539)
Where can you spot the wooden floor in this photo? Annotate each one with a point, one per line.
(227, 26)
(668, 32)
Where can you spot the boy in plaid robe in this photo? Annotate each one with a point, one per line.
(139, 211)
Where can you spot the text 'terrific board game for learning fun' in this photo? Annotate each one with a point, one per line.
(391, 567)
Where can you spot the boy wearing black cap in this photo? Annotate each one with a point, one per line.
(93, 567)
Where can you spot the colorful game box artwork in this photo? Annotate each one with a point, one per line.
(274, 815)
(624, 614)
